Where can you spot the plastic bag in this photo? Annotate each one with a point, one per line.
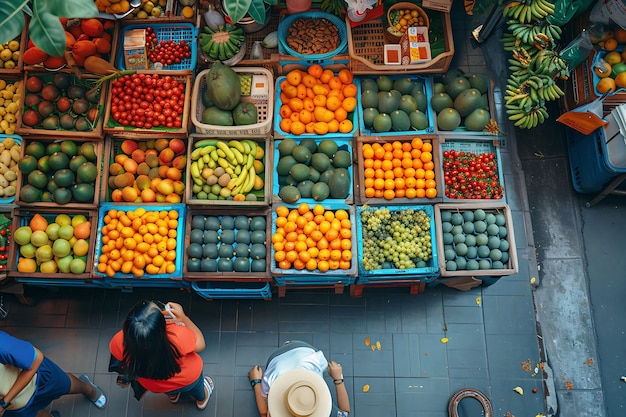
(609, 10)
(578, 50)
(566, 10)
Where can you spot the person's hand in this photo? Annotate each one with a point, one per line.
(176, 311)
(334, 370)
(255, 373)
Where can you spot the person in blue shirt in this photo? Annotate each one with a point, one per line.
(29, 381)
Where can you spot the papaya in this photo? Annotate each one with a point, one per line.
(245, 114)
(468, 101)
(216, 116)
(223, 86)
(477, 120)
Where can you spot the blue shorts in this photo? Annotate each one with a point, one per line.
(52, 383)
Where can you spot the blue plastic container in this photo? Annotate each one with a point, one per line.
(278, 132)
(18, 140)
(478, 146)
(285, 24)
(596, 61)
(430, 114)
(426, 274)
(154, 278)
(344, 144)
(165, 31)
(219, 289)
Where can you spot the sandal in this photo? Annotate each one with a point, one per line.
(100, 400)
(208, 388)
(174, 398)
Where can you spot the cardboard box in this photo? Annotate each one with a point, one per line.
(439, 5)
(414, 45)
(135, 56)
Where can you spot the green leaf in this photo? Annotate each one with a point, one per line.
(11, 19)
(71, 8)
(46, 30)
(257, 11)
(237, 9)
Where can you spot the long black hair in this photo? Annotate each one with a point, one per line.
(147, 350)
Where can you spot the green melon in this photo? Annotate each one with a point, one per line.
(440, 101)
(448, 119)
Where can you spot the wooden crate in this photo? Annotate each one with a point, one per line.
(439, 5)
(510, 268)
(190, 199)
(21, 217)
(360, 176)
(228, 276)
(23, 39)
(87, 81)
(114, 128)
(366, 44)
(99, 150)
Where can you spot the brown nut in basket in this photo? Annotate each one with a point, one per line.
(408, 14)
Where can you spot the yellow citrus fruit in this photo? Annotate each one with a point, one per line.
(602, 72)
(613, 58)
(606, 85)
(620, 80)
(187, 12)
(610, 44)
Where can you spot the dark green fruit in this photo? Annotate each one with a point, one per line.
(285, 147)
(342, 159)
(45, 108)
(418, 120)
(37, 179)
(209, 265)
(440, 101)
(64, 177)
(468, 101)
(30, 193)
(328, 147)
(50, 123)
(388, 101)
(302, 154)
(310, 144)
(27, 164)
(76, 91)
(226, 251)
(83, 193)
(320, 161)
(196, 236)
(193, 265)
(299, 172)
(61, 80)
(36, 149)
(400, 121)
(420, 100)
(320, 191)
(194, 250)
(407, 104)
(290, 194)
(197, 222)
(448, 119)
(87, 172)
(479, 82)
(210, 251)
(384, 83)
(242, 251)
(80, 106)
(58, 160)
(227, 236)
(369, 84)
(284, 164)
(369, 98)
(258, 223)
(225, 265)
(82, 124)
(258, 265)
(67, 121)
(369, 114)
(258, 251)
(241, 265)
(382, 123)
(404, 85)
(305, 188)
(457, 86)
(212, 223)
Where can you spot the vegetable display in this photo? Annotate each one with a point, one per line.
(223, 43)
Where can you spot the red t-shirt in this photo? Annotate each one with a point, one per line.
(190, 362)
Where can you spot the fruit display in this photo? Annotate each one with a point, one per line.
(10, 153)
(227, 243)
(402, 19)
(312, 36)
(11, 92)
(227, 170)
(5, 239)
(402, 168)
(609, 62)
(316, 169)
(148, 101)
(84, 37)
(221, 44)
(396, 238)
(315, 239)
(462, 101)
(118, 7)
(471, 174)
(149, 9)
(316, 101)
(59, 172)
(10, 54)
(534, 65)
(53, 243)
(475, 239)
(147, 171)
(166, 51)
(137, 241)
(395, 104)
(59, 102)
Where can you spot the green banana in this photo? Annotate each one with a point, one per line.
(204, 142)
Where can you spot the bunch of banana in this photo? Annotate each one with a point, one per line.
(232, 166)
(549, 62)
(526, 11)
(528, 119)
(222, 44)
(520, 62)
(553, 31)
(523, 31)
(335, 7)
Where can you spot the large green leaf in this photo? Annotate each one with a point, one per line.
(257, 10)
(70, 8)
(11, 19)
(45, 29)
(237, 9)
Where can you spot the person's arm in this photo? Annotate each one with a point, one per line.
(24, 377)
(179, 315)
(256, 374)
(336, 373)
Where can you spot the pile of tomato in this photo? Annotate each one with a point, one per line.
(147, 100)
(165, 52)
(468, 175)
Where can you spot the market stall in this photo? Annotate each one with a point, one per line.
(180, 145)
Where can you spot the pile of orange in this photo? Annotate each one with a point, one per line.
(138, 241)
(399, 169)
(317, 101)
(315, 239)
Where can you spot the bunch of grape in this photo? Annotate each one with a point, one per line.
(398, 239)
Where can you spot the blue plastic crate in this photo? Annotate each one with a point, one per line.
(279, 132)
(237, 290)
(18, 140)
(302, 277)
(477, 145)
(596, 59)
(428, 273)
(285, 24)
(587, 161)
(288, 280)
(344, 144)
(165, 31)
(154, 278)
(430, 114)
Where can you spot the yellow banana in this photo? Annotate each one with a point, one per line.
(238, 156)
(196, 154)
(224, 148)
(221, 153)
(250, 161)
(207, 149)
(214, 155)
(195, 171)
(237, 145)
(223, 163)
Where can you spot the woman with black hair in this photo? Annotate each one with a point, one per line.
(159, 345)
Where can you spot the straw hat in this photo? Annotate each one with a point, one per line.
(299, 393)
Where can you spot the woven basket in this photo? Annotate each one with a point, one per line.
(283, 31)
(391, 38)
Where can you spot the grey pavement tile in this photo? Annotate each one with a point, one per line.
(103, 353)
(588, 403)
(406, 354)
(223, 398)
(464, 314)
(212, 349)
(504, 399)
(513, 198)
(433, 356)
(508, 354)
(517, 284)
(379, 401)
(481, 384)
(373, 363)
(85, 310)
(229, 320)
(60, 346)
(518, 226)
(465, 336)
(465, 363)
(453, 297)
(375, 322)
(506, 314)
(422, 315)
(421, 395)
(306, 297)
(347, 319)
(207, 315)
(224, 362)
